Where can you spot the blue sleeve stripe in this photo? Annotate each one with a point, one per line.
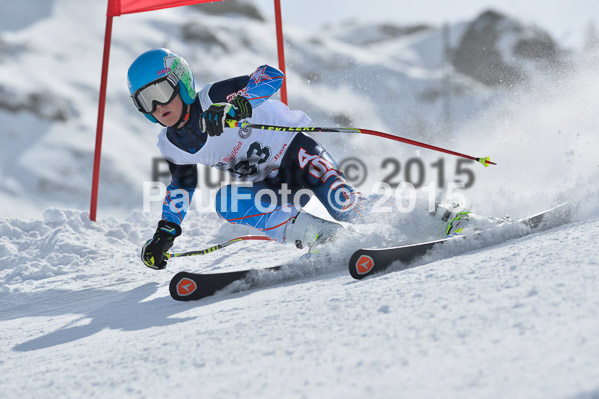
(176, 203)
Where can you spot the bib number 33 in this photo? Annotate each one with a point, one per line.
(256, 155)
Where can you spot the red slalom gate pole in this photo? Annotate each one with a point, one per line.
(100, 126)
(281, 48)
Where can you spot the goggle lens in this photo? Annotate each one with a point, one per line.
(160, 92)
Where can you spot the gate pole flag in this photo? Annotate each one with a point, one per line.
(115, 9)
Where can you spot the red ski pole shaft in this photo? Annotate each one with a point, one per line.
(485, 161)
(310, 129)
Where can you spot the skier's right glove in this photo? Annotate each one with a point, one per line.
(213, 120)
(154, 253)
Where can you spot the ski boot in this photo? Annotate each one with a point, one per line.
(455, 225)
(307, 230)
(459, 223)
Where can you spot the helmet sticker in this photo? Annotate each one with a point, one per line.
(180, 72)
(169, 60)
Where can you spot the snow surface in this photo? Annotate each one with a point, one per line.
(502, 316)
(81, 318)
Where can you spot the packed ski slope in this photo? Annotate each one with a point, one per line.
(80, 317)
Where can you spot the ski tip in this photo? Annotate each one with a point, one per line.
(360, 265)
(183, 288)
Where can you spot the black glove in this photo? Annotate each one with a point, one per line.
(243, 106)
(153, 253)
(213, 120)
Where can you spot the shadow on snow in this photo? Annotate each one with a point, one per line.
(106, 309)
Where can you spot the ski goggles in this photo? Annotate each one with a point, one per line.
(157, 92)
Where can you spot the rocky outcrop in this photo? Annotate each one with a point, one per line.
(494, 50)
(231, 7)
(41, 104)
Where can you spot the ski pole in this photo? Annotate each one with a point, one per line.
(218, 246)
(485, 161)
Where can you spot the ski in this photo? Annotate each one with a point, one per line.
(365, 262)
(185, 286)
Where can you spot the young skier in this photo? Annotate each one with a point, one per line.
(282, 166)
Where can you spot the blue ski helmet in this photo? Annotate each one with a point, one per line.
(160, 64)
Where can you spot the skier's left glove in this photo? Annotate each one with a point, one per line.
(213, 120)
(154, 253)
